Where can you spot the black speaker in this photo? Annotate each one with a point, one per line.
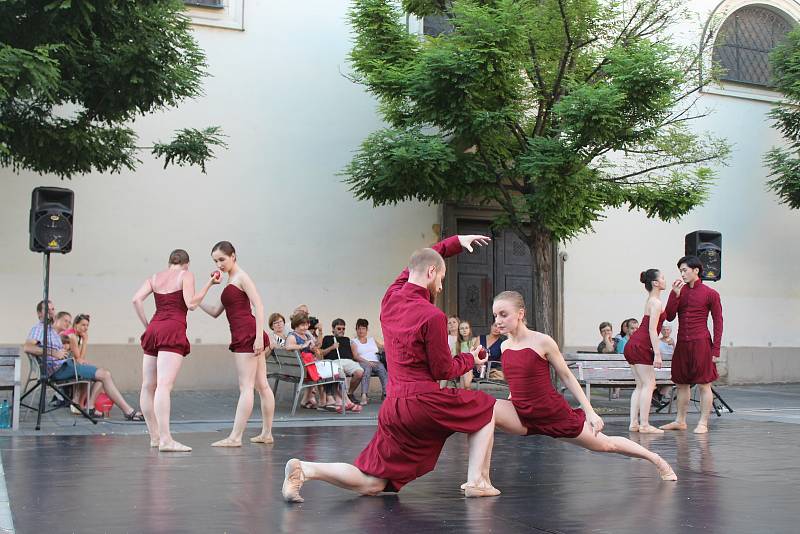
(706, 245)
(51, 219)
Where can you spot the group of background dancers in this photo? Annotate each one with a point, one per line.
(418, 415)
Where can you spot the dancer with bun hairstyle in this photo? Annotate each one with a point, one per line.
(165, 344)
(642, 353)
(535, 407)
(249, 344)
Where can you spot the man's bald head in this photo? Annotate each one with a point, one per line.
(423, 259)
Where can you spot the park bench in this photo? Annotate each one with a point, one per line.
(609, 370)
(10, 380)
(287, 366)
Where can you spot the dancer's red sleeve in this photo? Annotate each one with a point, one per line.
(671, 310)
(716, 316)
(442, 365)
(447, 247)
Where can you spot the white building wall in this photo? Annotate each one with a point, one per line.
(292, 122)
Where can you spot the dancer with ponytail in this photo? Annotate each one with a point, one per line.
(535, 407)
(165, 344)
(249, 344)
(642, 352)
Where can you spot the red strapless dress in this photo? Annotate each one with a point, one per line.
(541, 409)
(638, 349)
(240, 319)
(167, 329)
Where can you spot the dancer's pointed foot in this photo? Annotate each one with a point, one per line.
(293, 481)
(701, 429)
(173, 446)
(633, 428)
(650, 429)
(263, 438)
(481, 491)
(665, 470)
(673, 426)
(227, 442)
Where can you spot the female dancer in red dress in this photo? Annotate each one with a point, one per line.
(642, 353)
(164, 343)
(249, 343)
(535, 406)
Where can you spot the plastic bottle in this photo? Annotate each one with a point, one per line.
(5, 415)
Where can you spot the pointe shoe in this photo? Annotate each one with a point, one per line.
(650, 429)
(293, 481)
(673, 426)
(266, 440)
(227, 442)
(174, 447)
(464, 486)
(669, 476)
(701, 429)
(475, 491)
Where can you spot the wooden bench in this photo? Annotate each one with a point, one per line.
(609, 370)
(10, 379)
(287, 366)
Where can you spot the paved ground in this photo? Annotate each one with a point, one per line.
(212, 411)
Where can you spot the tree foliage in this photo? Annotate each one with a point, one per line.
(75, 74)
(555, 110)
(785, 162)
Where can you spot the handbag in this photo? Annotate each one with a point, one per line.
(309, 362)
(328, 369)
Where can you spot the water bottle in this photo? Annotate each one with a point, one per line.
(5, 415)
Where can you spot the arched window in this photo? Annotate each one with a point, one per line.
(744, 42)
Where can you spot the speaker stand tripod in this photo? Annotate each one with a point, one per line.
(44, 380)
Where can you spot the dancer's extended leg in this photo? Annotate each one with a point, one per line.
(343, 475)
(619, 445)
(167, 366)
(706, 401)
(246, 366)
(146, 397)
(267, 403)
(683, 408)
(646, 384)
(480, 451)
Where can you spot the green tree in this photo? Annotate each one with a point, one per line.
(784, 163)
(75, 74)
(551, 110)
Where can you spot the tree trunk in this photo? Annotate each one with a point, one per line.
(541, 246)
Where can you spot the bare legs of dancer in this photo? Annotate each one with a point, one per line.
(351, 478)
(706, 400)
(158, 379)
(105, 382)
(642, 398)
(508, 421)
(252, 371)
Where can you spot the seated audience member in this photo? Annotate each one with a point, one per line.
(627, 329)
(491, 342)
(466, 343)
(366, 352)
(277, 324)
(452, 333)
(606, 345)
(666, 344)
(79, 343)
(300, 339)
(59, 367)
(315, 329)
(338, 346)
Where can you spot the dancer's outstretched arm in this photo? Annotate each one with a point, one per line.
(554, 356)
(194, 299)
(214, 310)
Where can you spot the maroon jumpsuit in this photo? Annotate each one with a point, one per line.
(417, 417)
(639, 349)
(167, 329)
(692, 362)
(241, 320)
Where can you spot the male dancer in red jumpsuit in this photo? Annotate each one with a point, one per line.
(417, 416)
(695, 353)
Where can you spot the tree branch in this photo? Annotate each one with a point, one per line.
(662, 166)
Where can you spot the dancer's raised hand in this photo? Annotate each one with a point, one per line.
(677, 285)
(216, 277)
(480, 355)
(467, 241)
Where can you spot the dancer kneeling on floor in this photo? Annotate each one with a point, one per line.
(535, 407)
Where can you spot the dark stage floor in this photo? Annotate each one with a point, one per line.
(743, 477)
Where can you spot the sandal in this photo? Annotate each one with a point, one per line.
(134, 416)
(355, 408)
(328, 408)
(308, 405)
(94, 412)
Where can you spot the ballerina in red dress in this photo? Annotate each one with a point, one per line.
(164, 343)
(535, 407)
(642, 353)
(249, 344)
